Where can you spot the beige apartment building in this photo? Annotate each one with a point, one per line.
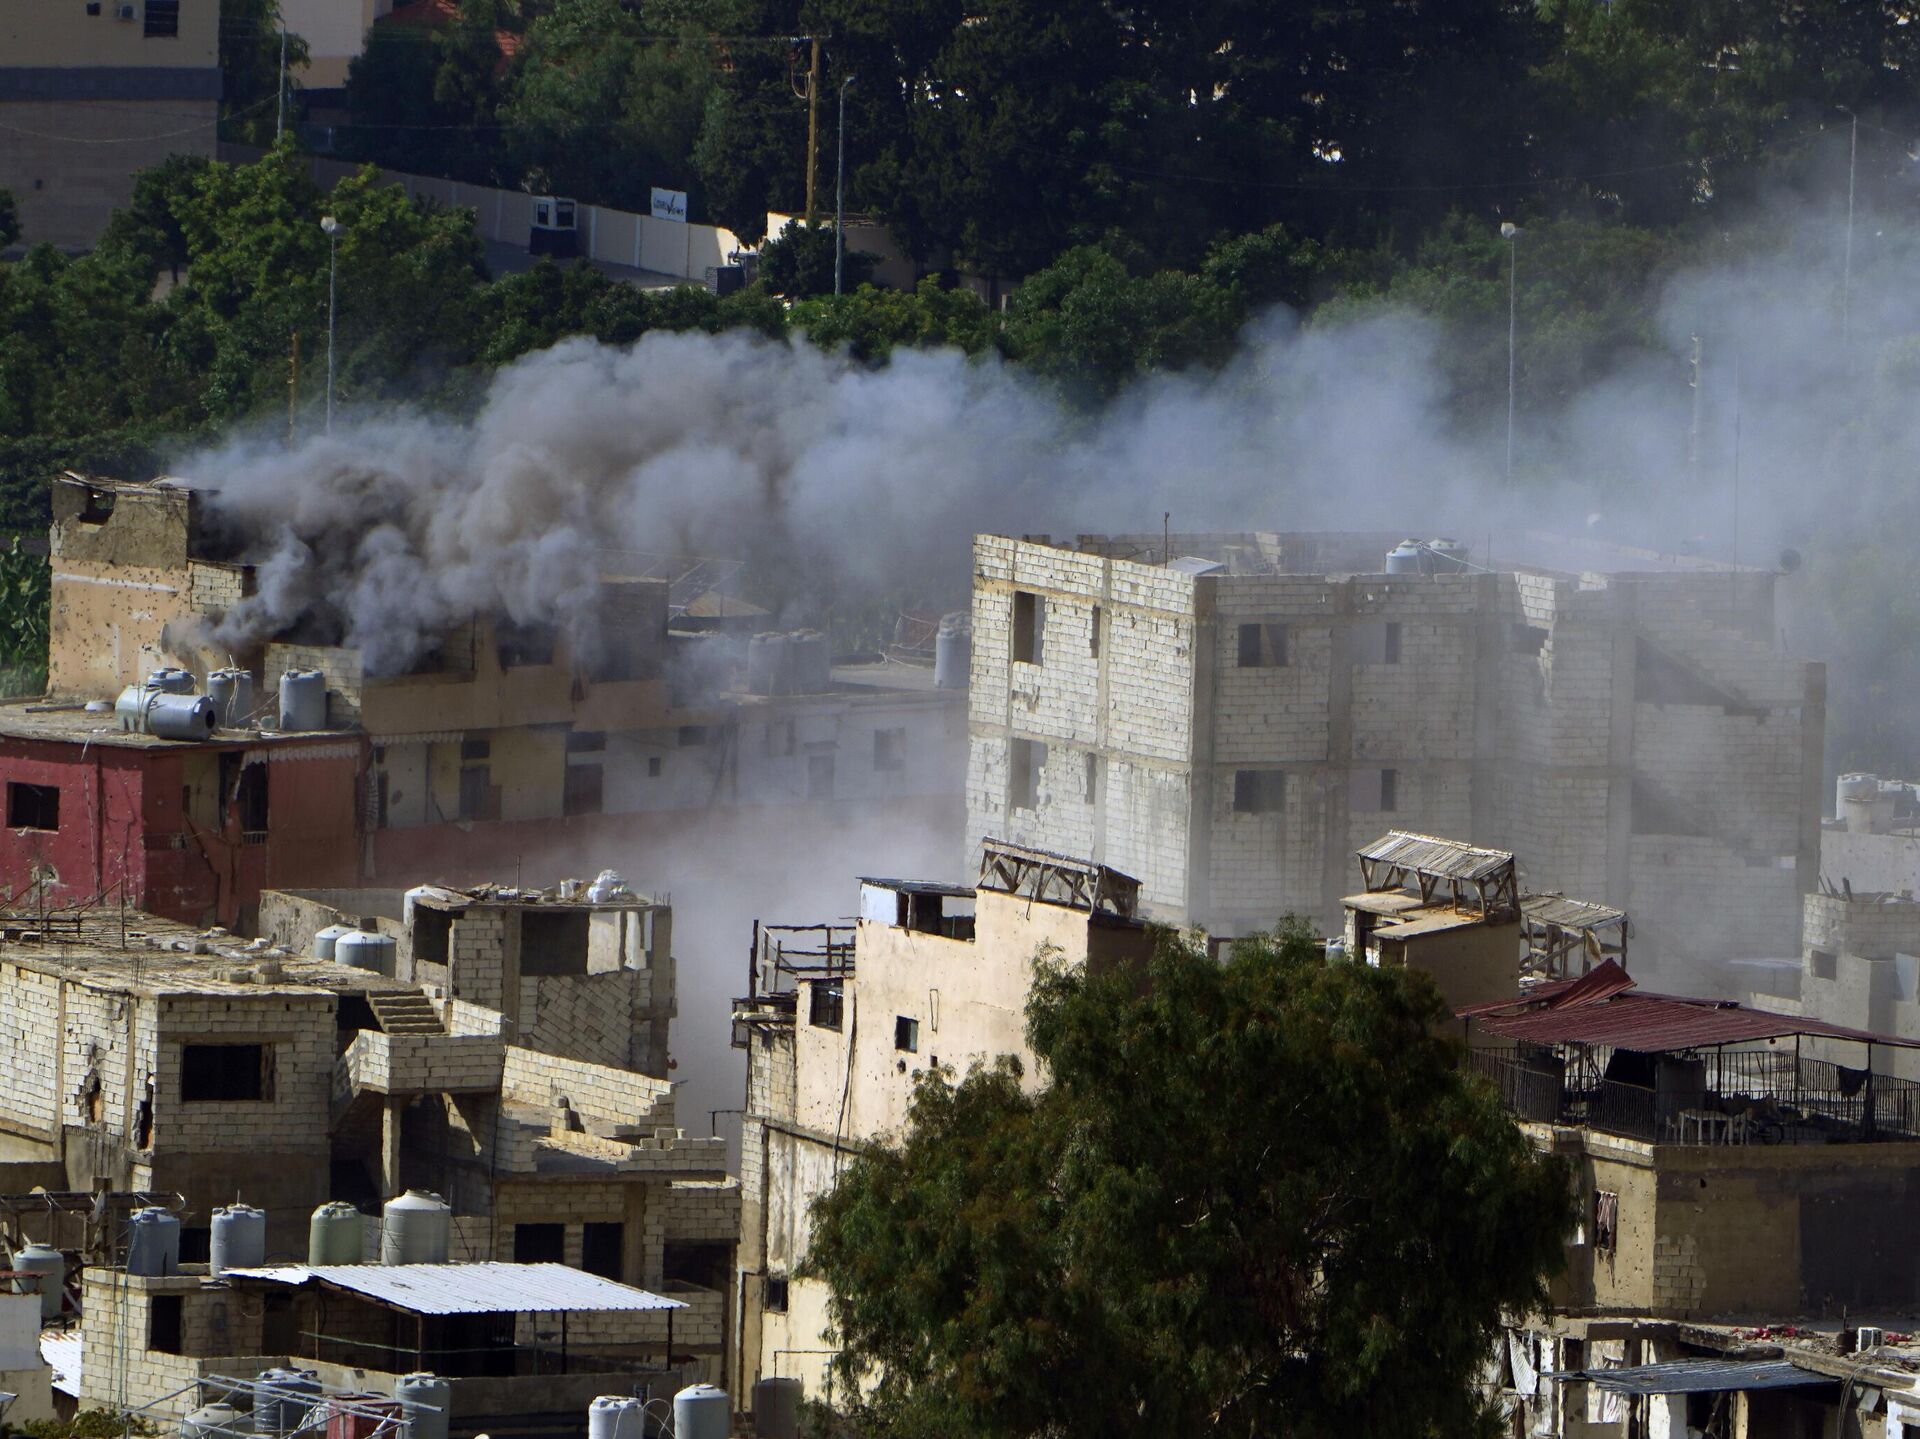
(92, 92)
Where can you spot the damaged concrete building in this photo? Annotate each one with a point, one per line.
(841, 1020)
(1230, 716)
(505, 1049)
(501, 739)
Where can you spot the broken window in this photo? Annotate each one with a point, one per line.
(554, 941)
(1824, 964)
(98, 508)
(826, 1006)
(432, 928)
(889, 749)
(1259, 791)
(581, 790)
(523, 645)
(1527, 639)
(820, 776)
(539, 1244)
(1029, 626)
(1263, 646)
(1606, 1220)
(163, 1323)
(250, 799)
(33, 806)
(222, 1073)
(1026, 758)
(906, 1034)
(600, 1246)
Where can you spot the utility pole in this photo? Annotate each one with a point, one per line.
(280, 124)
(1693, 431)
(1846, 274)
(840, 193)
(293, 385)
(813, 123)
(1510, 232)
(332, 228)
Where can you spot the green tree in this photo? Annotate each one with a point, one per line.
(1257, 1197)
(250, 54)
(871, 323)
(798, 263)
(25, 593)
(9, 219)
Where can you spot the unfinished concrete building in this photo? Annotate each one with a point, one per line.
(1230, 725)
(504, 1049)
(839, 1023)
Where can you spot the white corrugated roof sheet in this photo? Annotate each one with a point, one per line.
(61, 1350)
(489, 1288)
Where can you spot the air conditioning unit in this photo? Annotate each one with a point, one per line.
(1870, 1339)
(125, 12)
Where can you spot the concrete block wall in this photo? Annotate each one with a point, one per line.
(345, 672)
(704, 1210)
(1873, 928)
(596, 1091)
(418, 1063)
(30, 1034)
(600, 1018)
(104, 1048)
(299, 1026)
(482, 949)
(214, 588)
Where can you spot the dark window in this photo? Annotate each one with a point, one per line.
(431, 929)
(522, 645)
(889, 749)
(99, 506)
(196, 1244)
(1389, 790)
(1263, 647)
(539, 1244)
(600, 1246)
(163, 19)
(586, 741)
(1259, 791)
(708, 1263)
(93, 7)
(826, 1006)
(1026, 758)
(581, 791)
(163, 1323)
(33, 806)
(554, 941)
(906, 1034)
(1527, 639)
(1093, 633)
(1029, 626)
(478, 798)
(1376, 642)
(250, 799)
(653, 767)
(476, 749)
(1392, 639)
(692, 734)
(774, 1300)
(1824, 964)
(819, 776)
(222, 1072)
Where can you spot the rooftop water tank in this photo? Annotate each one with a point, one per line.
(809, 663)
(239, 1239)
(415, 1228)
(325, 939)
(1446, 556)
(952, 651)
(776, 1408)
(303, 700)
(1857, 786)
(1409, 557)
(165, 714)
(615, 1416)
(169, 680)
(153, 1243)
(336, 1234)
(767, 664)
(701, 1411)
(427, 1401)
(51, 1267)
(363, 950)
(214, 1421)
(283, 1399)
(231, 691)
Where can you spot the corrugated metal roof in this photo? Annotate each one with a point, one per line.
(62, 1351)
(1604, 979)
(1569, 913)
(1701, 1376)
(1445, 858)
(488, 1288)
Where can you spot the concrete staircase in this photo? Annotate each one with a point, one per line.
(407, 1012)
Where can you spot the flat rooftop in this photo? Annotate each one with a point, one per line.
(72, 723)
(140, 953)
(1364, 552)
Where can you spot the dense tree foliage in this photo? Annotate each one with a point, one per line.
(1257, 1197)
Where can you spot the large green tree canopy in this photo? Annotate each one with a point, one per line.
(1258, 1197)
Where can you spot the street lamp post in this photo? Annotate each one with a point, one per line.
(839, 193)
(332, 228)
(1510, 232)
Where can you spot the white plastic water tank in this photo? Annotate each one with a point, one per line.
(616, 1416)
(336, 1234)
(776, 1408)
(153, 1243)
(1446, 556)
(809, 663)
(239, 1239)
(214, 1421)
(364, 950)
(428, 1401)
(48, 1263)
(953, 652)
(325, 939)
(767, 664)
(303, 700)
(701, 1411)
(415, 1228)
(1408, 557)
